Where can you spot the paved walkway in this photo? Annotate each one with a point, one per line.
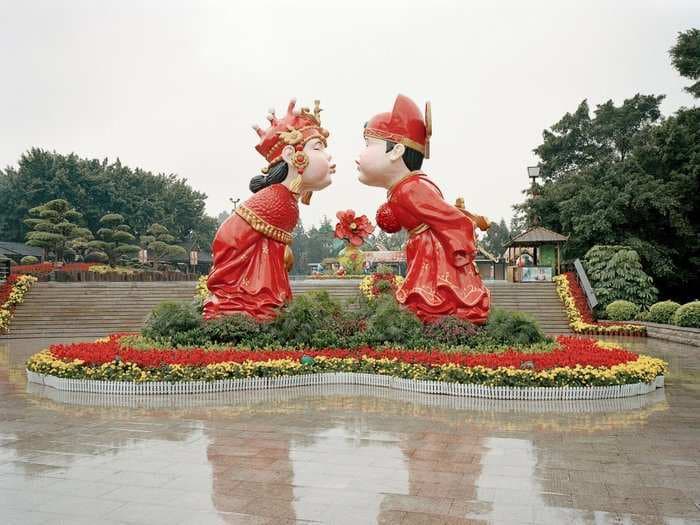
(348, 455)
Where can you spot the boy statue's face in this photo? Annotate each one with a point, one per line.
(377, 166)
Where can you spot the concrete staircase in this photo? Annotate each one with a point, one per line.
(95, 309)
(540, 300)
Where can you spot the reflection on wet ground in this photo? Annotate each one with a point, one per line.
(348, 455)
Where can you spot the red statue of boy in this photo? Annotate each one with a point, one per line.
(251, 249)
(442, 278)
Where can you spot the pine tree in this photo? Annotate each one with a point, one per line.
(114, 240)
(53, 227)
(160, 244)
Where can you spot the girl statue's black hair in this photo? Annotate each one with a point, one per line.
(277, 173)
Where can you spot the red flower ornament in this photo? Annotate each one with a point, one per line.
(353, 229)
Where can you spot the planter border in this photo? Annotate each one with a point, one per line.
(345, 378)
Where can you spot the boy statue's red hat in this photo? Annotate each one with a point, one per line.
(404, 125)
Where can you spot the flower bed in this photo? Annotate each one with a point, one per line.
(11, 294)
(573, 362)
(374, 285)
(580, 317)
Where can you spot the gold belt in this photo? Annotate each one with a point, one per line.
(418, 229)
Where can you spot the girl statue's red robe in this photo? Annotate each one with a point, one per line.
(442, 278)
(248, 273)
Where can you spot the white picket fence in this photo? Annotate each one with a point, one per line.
(345, 378)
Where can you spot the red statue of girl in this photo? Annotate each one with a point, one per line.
(251, 249)
(442, 278)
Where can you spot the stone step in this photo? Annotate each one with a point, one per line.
(98, 308)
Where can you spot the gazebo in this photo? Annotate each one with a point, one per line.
(545, 245)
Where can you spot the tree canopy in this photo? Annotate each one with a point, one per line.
(95, 187)
(626, 176)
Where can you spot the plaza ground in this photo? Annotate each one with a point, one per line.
(348, 455)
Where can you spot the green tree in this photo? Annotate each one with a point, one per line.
(80, 244)
(160, 245)
(114, 239)
(640, 192)
(496, 238)
(685, 57)
(53, 227)
(94, 186)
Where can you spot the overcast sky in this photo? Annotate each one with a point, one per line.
(174, 86)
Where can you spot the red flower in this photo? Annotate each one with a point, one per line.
(353, 229)
(572, 351)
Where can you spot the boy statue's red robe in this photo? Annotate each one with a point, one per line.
(442, 278)
(248, 273)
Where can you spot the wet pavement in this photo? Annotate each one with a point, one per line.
(348, 455)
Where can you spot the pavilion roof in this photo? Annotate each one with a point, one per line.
(536, 236)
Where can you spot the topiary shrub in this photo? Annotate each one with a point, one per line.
(171, 318)
(29, 259)
(391, 323)
(621, 310)
(688, 315)
(643, 315)
(450, 330)
(512, 328)
(662, 312)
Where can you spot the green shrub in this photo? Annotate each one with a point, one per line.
(512, 328)
(312, 320)
(238, 330)
(29, 259)
(616, 273)
(390, 323)
(688, 315)
(450, 330)
(643, 315)
(170, 318)
(662, 312)
(621, 310)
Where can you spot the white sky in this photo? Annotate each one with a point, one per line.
(174, 86)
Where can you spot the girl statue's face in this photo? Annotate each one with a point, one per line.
(317, 175)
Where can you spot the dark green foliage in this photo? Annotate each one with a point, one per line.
(172, 319)
(616, 273)
(160, 245)
(685, 57)
(662, 312)
(115, 239)
(688, 315)
(53, 227)
(311, 319)
(451, 331)
(94, 186)
(625, 177)
(621, 310)
(512, 328)
(238, 329)
(391, 323)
